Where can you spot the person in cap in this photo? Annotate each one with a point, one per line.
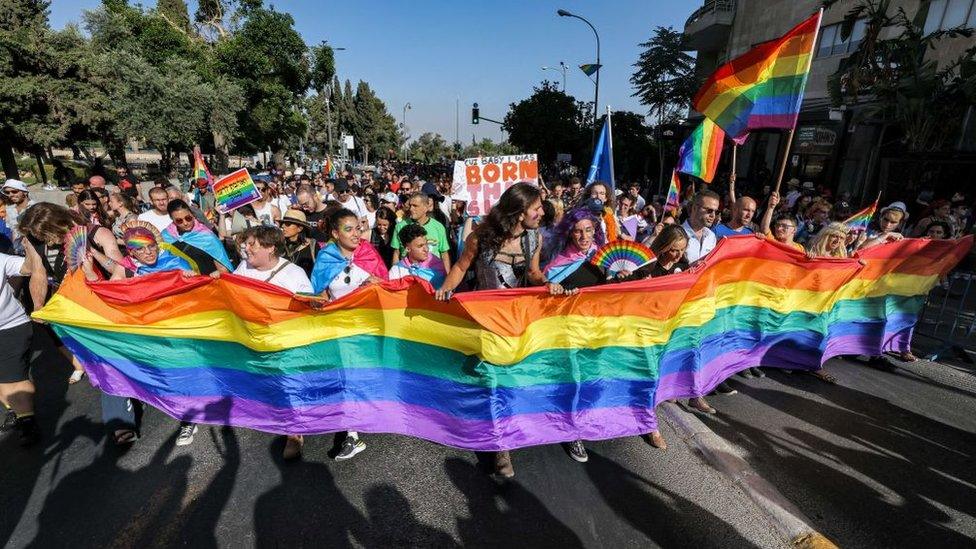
(793, 192)
(299, 246)
(389, 200)
(440, 203)
(19, 196)
(889, 224)
(348, 200)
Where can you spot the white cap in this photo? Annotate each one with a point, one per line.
(897, 206)
(808, 185)
(299, 171)
(15, 184)
(389, 197)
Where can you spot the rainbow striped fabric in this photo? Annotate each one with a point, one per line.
(700, 153)
(763, 88)
(200, 169)
(673, 201)
(859, 222)
(488, 370)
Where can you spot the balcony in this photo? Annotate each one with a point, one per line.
(708, 28)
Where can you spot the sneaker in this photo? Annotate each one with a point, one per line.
(756, 372)
(577, 451)
(747, 373)
(185, 438)
(725, 389)
(29, 432)
(350, 447)
(9, 420)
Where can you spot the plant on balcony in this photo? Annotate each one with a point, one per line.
(899, 85)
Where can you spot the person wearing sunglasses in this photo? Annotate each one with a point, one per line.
(346, 264)
(194, 239)
(701, 239)
(19, 197)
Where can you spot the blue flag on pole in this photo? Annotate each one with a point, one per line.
(601, 168)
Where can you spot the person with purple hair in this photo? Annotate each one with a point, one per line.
(577, 237)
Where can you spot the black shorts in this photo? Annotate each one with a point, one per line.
(15, 350)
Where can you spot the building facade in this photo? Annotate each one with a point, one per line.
(832, 147)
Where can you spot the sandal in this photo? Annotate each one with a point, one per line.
(655, 439)
(907, 356)
(75, 376)
(824, 376)
(124, 437)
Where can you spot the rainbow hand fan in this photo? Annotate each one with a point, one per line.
(622, 255)
(76, 246)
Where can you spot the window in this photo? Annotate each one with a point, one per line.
(949, 14)
(832, 44)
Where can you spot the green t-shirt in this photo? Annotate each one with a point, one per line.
(436, 237)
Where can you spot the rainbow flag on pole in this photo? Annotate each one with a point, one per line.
(763, 88)
(492, 370)
(200, 169)
(700, 153)
(673, 201)
(859, 222)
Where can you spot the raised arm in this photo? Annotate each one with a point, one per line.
(767, 218)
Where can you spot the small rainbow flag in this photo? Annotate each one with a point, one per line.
(673, 202)
(700, 153)
(859, 221)
(329, 168)
(200, 169)
(762, 88)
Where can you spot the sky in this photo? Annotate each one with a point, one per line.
(440, 54)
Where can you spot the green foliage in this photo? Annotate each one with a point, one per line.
(175, 12)
(890, 69)
(375, 130)
(487, 147)
(323, 66)
(429, 147)
(665, 77)
(547, 123)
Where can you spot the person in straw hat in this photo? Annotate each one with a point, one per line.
(299, 246)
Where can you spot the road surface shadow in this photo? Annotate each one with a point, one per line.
(658, 512)
(504, 514)
(22, 466)
(928, 464)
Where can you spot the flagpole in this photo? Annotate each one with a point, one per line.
(732, 176)
(613, 176)
(806, 76)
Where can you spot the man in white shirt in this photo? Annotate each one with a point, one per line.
(20, 200)
(16, 388)
(157, 216)
(351, 202)
(701, 239)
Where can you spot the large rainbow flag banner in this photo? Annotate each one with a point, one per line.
(234, 190)
(762, 88)
(488, 370)
(700, 153)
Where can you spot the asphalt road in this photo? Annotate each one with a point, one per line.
(882, 459)
(231, 489)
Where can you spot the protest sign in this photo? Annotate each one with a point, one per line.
(235, 190)
(482, 180)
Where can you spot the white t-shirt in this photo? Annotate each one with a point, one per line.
(340, 288)
(157, 220)
(291, 277)
(11, 311)
(356, 205)
(371, 218)
(698, 249)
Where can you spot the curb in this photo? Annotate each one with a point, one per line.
(785, 517)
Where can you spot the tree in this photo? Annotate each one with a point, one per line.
(375, 128)
(429, 147)
(632, 146)
(174, 12)
(548, 122)
(39, 81)
(665, 77)
(904, 89)
(323, 66)
(487, 147)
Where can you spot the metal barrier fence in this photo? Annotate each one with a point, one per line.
(949, 317)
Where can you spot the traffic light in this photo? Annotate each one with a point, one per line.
(474, 114)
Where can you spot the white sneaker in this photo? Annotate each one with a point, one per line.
(185, 438)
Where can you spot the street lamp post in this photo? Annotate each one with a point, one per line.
(403, 124)
(328, 108)
(562, 68)
(596, 95)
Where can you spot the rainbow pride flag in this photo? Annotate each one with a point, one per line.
(673, 201)
(495, 369)
(762, 88)
(859, 222)
(700, 153)
(200, 169)
(234, 190)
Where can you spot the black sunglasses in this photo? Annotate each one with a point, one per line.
(347, 270)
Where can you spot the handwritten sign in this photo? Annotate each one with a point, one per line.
(235, 190)
(482, 180)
